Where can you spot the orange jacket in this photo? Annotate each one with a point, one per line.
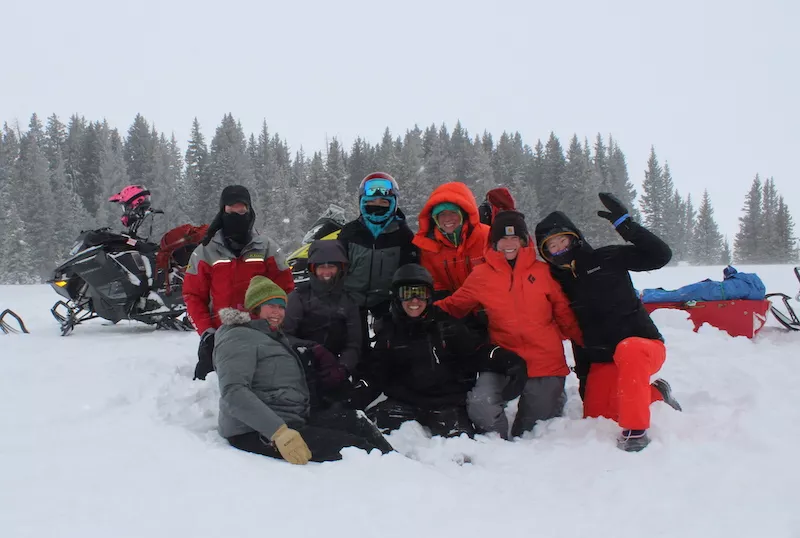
(527, 310)
(450, 266)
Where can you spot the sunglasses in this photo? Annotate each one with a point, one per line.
(406, 293)
(379, 187)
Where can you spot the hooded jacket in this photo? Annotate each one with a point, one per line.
(262, 381)
(526, 308)
(450, 265)
(428, 361)
(599, 287)
(216, 278)
(324, 313)
(373, 260)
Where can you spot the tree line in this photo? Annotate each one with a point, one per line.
(55, 180)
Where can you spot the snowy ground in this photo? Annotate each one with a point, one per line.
(105, 434)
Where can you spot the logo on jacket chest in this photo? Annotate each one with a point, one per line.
(593, 270)
(531, 279)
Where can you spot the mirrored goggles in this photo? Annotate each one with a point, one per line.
(379, 187)
(406, 293)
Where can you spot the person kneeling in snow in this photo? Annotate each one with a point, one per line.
(265, 401)
(422, 361)
(622, 347)
(527, 314)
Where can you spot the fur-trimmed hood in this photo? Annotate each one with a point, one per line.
(233, 316)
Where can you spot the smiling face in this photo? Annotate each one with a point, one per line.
(509, 246)
(557, 243)
(326, 271)
(448, 221)
(415, 307)
(273, 314)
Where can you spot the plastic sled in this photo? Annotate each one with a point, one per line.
(7, 328)
(738, 317)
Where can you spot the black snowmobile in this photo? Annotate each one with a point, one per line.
(6, 327)
(118, 276)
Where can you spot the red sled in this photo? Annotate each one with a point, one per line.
(737, 317)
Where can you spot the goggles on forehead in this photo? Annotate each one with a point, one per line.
(379, 187)
(406, 293)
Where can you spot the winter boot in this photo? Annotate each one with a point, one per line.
(663, 387)
(633, 440)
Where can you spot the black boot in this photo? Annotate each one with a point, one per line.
(633, 440)
(663, 387)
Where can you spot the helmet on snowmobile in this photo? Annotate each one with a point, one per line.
(135, 199)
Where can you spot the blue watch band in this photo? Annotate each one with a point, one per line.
(621, 219)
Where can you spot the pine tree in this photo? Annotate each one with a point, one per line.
(316, 200)
(413, 190)
(359, 164)
(577, 191)
(479, 176)
(553, 168)
(618, 180)
(55, 142)
(88, 179)
(708, 245)
(656, 198)
(460, 152)
(767, 239)
(17, 265)
(688, 223)
(746, 242)
(33, 198)
(114, 177)
(229, 161)
(201, 202)
(138, 151)
(72, 155)
(335, 185)
(785, 240)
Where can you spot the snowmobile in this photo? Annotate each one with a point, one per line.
(784, 312)
(117, 276)
(327, 226)
(7, 328)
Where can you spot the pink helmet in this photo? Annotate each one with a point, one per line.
(135, 199)
(132, 197)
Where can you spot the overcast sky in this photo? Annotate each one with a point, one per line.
(713, 85)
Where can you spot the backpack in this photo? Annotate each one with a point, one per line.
(177, 246)
(497, 200)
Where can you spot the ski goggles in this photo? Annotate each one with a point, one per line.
(379, 187)
(406, 293)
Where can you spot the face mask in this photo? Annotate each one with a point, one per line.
(236, 226)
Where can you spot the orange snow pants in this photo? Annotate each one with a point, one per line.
(621, 390)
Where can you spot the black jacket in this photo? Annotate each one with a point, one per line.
(324, 313)
(599, 287)
(373, 260)
(425, 362)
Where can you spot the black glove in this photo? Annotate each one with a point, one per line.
(511, 365)
(617, 212)
(205, 365)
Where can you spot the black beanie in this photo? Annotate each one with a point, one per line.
(508, 223)
(234, 194)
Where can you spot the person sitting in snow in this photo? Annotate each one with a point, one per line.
(451, 237)
(321, 312)
(527, 314)
(377, 243)
(621, 345)
(423, 362)
(265, 400)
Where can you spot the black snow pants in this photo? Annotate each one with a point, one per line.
(326, 433)
(449, 421)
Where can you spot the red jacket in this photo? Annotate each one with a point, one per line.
(527, 310)
(216, 279)
(450, 266)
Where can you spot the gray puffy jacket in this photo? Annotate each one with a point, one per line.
(261, 380)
